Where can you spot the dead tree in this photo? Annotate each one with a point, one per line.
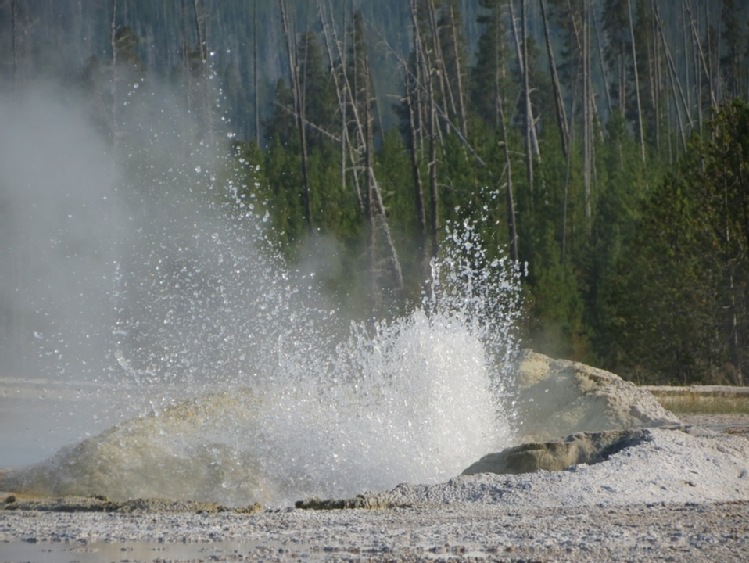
(429, 118)
(114, 87)
(412, 98)
(358, 146)
(587, 111)
(459, 76)
(254, 72)
(702, 57)
(299, 111)
(337, 70)
(676, 89)
(439, 68)
(637, 82)
(521, 48)
(204, 70)
(13, 46)
(564, 132)
(376, 213)
(531, 141)
(509, 196)
(604, 71)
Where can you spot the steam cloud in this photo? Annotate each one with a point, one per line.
(60, 222)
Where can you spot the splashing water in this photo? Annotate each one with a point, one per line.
(260, 389)
(414, 399)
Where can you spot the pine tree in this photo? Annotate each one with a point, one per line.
(682, 302)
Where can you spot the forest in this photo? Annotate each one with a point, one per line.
(603, 145)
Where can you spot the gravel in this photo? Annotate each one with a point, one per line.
(681, 495)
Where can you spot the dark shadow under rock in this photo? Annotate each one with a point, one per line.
(359, 501)
(557, 455)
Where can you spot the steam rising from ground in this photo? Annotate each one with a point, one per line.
(142, 276)
(60, 221)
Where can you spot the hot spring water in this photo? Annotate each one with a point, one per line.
(253, 384)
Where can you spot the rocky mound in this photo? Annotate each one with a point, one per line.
(213, 449)
(568, 414)
(164, 454)
(556, 398)
(556, 455)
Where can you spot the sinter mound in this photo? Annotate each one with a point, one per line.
(142, 458)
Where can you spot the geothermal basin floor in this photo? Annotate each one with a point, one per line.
(674, 532)
(678, 496)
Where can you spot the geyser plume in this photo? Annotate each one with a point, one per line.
(259, 387)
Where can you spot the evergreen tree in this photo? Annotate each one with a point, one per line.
(683, 302)
(489, 82)
(280, 126)
(317, 90)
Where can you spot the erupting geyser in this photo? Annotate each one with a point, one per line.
(260, 388)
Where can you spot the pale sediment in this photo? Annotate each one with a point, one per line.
(630, 482)
(676, 494)
(677, 532)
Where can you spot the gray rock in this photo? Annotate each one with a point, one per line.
(557, 455)
(559, 397)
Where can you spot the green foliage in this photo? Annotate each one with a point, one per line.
(556, 307)
(650, 281)
(685, 316)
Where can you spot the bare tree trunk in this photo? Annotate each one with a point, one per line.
(459, 75)
(501, 124)
(200, 27)
(418, 184)
(509, 196)
(187, 56)
(498, 62)
(115, 104)
(734, 344)
(564, 132)
(604, 72)
(422, 75)
(697, 69)
(685, 46)
(205, 90)
(346, 98)
(637, 82)
(341, 90)
(675, 84)
(340, 93)
(433, 171)
(565, 200)
(371, 214)
(254, 72)
(522, 54)
(521, 46)
(655, 80)
(705, 66)
(711, 66)
(532, 147)
(411, 94)
(580, 42)
(13, 49)
(587, 117)
(674, 74)
(430, 119)
(299, 110)
(377, 213)
(438, 61)
(362, 158)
